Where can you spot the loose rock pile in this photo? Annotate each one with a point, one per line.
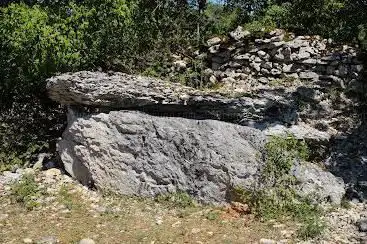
(242, 63)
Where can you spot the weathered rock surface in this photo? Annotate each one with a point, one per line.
(120, 91)
(115, 90)
(321, 185)
(133, 153)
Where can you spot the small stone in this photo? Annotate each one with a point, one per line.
(276, 32)
(277, 44)
(258, 60)
(214, 49)
(267, 65)
(275, 72)
(240, 207)
(242, 57)
(27, 240)
(159, 221)
(265, 71)
(41, 158)
(256, 66)
(261, 54)
(180, 65)
(239, 33)
(263, 80)
(52, 173)
(309, 61)
(195, 230)
(303, 55)
(279, 57)
(87, 241)
(214, 41)
(357, 68)
(267, 241)
(3, 216)
(48, 240)
(308, 75)
(277, 38)
(362, 225)
(287, 68)
(213, 80)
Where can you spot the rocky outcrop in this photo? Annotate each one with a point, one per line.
(133, 135)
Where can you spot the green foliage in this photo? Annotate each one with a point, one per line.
(259, 27)
(271, 19)
(26, 192)
(338, 19)
(313, 227)
(316, 17)
(213, 215)
(178, 199)
(281, 155)
(36, 42)
(26, 129)
(276, 198)
(67, 199)
(219, 20)
(9, 160)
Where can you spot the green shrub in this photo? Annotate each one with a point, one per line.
(26, 192)
(311, 228)
(38, 41)
(276, 197)
(219, 20)
(259, 27)
(27, 129)
(281, 153)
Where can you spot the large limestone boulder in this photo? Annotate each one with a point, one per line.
(133, 153)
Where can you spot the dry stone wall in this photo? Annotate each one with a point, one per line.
(244, 62)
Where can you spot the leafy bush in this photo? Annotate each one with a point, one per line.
(38, 41)
(281, 155)
(276, 198)
(219, 20)
(28, 128)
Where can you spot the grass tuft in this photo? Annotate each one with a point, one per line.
(26, 192)
(177, 199)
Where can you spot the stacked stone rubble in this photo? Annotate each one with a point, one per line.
(244, 63)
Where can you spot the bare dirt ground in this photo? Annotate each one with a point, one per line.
(59, 210)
